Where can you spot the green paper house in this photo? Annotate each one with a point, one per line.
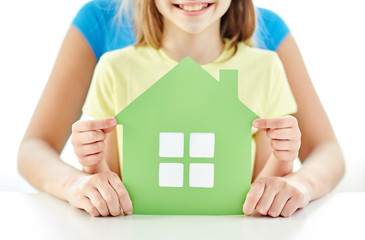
(187, 144)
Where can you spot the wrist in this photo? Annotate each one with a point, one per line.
(98, 168)
(306, 186)
(283, 167)
(73, 180)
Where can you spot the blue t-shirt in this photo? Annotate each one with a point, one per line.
(99, 23)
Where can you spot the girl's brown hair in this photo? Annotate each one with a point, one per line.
(238, 23)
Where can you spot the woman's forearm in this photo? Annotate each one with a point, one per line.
(42, 167)
(321, 170)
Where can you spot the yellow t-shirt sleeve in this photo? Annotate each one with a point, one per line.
(100, 99)
(280, 99)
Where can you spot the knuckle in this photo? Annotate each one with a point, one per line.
(112, 175)
(87, 124)
(299, 195)
(82, 161)
(282, 155)
(93, 211)
(99, 145)
(123, 194)
(276, 183)
(94, 135)
(96, 178)
(110, 198)
(275, 144)
(99, 204)
(253, 194)
(274, 133)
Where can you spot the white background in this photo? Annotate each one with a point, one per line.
(329, 33)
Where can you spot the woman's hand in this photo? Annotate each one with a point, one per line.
(88, 139)
(276, 196)
(284, 134)
(100, 194)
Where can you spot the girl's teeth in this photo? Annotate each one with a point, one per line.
(193, 8)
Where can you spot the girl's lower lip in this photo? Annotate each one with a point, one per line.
(193, 13)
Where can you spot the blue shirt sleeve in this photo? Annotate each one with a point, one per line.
(271, 30)
(98, 22)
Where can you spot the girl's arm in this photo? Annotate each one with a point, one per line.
(50, 127)
(322, 161)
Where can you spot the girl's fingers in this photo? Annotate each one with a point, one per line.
(111, 198)
(89, 125)
(91, 148)
(92, 159)
(253, 196)
(282, 122)
(285, 145)
(124, 198)
(281, 145)
(98, 202)
(90, 137)
(285, 155)
(283, 133)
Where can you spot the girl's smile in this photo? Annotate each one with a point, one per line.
(192, 17)
(193, 8)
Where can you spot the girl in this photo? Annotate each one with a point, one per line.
(216, 34)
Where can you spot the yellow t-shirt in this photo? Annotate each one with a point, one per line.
(122, 75)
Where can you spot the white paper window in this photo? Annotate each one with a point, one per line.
(201, 145)
(171, 144)
(201, 175)
(171, 174)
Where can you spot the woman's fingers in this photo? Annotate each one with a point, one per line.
(272, 187)
(100, 194)
(85, 204)
(98, 202)
(253, 196)
(275, 196)
(111, 198)
(124, 198)
(279, 202)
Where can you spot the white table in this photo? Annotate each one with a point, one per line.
(39, 216)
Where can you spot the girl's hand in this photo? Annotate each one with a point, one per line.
(284, 135)
(275, 196)
(100, 194)
(88, 139)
